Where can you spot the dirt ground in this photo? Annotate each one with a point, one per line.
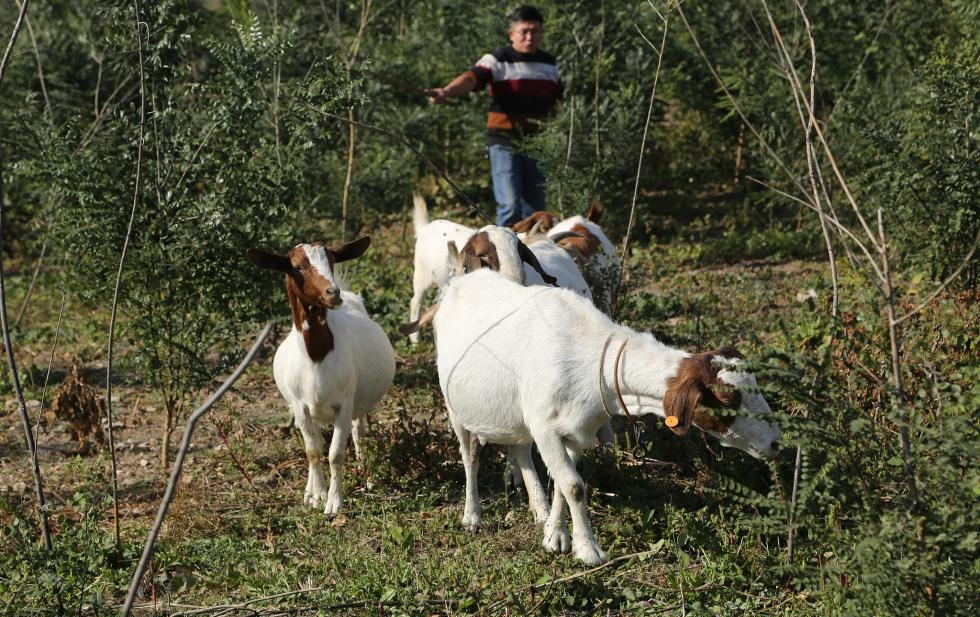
(250, 427)
(137, 434)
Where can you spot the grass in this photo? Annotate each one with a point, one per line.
(238, 539)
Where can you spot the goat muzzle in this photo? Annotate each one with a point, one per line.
(331, 298)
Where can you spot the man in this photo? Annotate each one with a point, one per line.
(525, 85)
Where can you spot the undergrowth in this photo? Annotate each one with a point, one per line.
(692, 528)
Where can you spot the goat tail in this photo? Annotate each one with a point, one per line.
(420, 213)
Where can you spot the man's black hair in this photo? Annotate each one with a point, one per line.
(526, 12)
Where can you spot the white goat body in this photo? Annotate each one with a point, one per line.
(432, 266)
(335, 364)
(521, 365)
(586, 242)
(594, 253)
(558, 263)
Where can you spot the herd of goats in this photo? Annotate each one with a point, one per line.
(526, 355)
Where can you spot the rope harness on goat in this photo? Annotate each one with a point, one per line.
(619, 394)
(670, 420)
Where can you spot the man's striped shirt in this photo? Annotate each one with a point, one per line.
(523, 89)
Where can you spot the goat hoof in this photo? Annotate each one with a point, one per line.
(333, 506)
(471, 522)
(314, 499)
(541, 516)
(590, 554)
(557, 540)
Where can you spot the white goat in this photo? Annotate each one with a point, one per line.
(499, 249)
(587, 244)
(556, 261)
(520, 365)
(432, 266)
(334, 365)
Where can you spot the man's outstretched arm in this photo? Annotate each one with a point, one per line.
(461, 85)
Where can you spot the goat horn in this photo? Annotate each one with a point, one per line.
(564, 235)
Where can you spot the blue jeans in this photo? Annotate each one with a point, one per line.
(518, 184)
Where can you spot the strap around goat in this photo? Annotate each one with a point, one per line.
(619, 394)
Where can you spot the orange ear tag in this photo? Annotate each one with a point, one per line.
(671, 421)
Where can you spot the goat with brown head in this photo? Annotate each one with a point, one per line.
(335, 364)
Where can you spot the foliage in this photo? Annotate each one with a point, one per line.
(222, 163)
(80, 575)
(920, 162)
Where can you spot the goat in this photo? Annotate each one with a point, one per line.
(556, 261)
(588, 245)
(521, 365)
(335, 364)
(500, 250)
(432, 266)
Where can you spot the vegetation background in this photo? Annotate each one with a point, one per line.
(799, 179)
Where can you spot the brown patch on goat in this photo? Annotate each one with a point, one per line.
(77, 403)
(696, 387)
(583, 246)
(544, 221)
(310, 296)
(479, 252)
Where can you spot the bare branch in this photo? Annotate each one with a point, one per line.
(797, 86)
(119, 272)
(30, 288)
(643, 143)
(179, 463)
(37, 61)
(47, 375)
(8, 345)
(731, 98)
(402, 140)
(21, 16)
(942, 286)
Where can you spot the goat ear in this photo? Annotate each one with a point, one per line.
(547, 222)
(681, 401)
(269, 261)
(523, 226)
(595, 212)
(728, 352)
(573, 251)
(455, 259)
(528, 257)
(410, 328)
(350, 250)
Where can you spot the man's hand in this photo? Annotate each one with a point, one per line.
(438, 96)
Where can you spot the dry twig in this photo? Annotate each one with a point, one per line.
(11, 362)
(179, 463)
(664, 17)
(119, 272)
